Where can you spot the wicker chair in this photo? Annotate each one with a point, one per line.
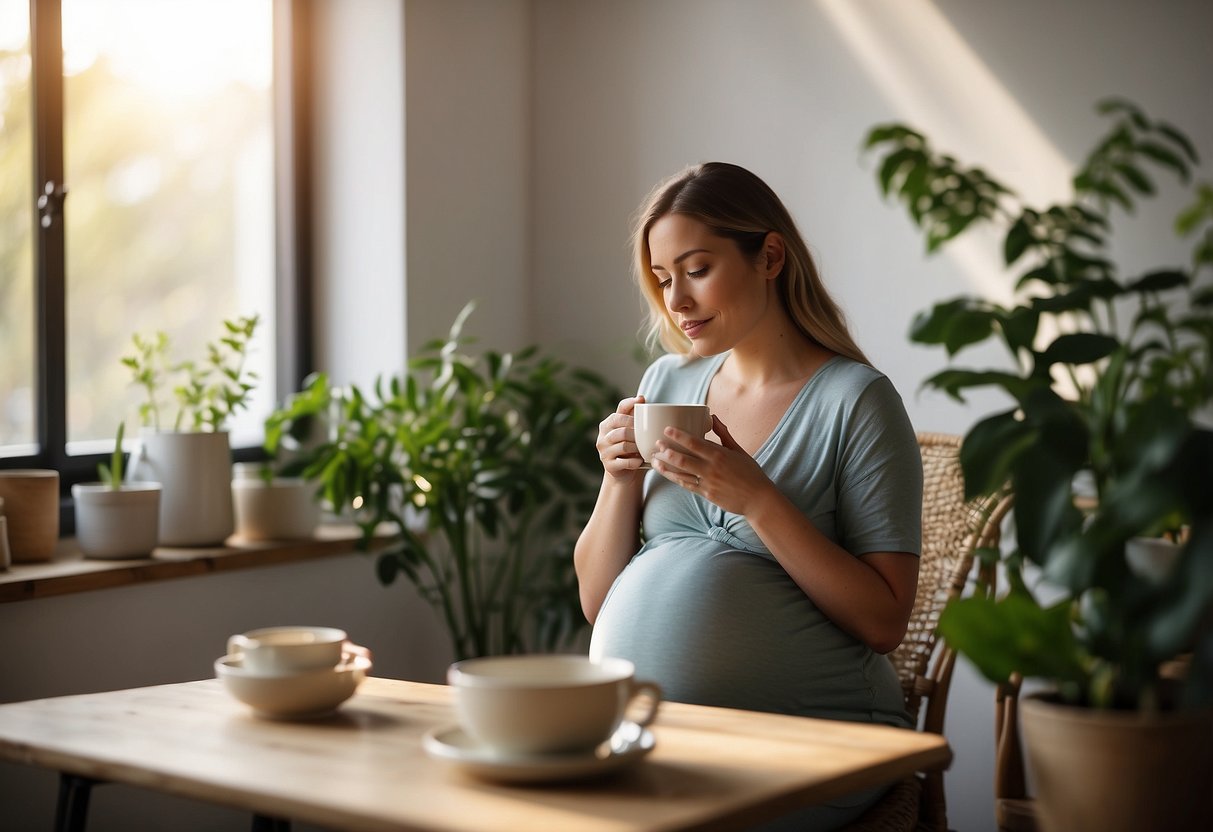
(952, 532)
(1012, 805)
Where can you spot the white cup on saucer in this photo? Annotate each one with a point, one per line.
(280, 651)
(548, 704)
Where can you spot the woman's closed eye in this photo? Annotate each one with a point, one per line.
(665, 283)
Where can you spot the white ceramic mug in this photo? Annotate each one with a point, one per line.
(550, 703)
(277, 651)
(650, 419)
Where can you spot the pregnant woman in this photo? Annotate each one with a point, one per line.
(771, 565)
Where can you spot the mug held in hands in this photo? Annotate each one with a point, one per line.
(547, 704)
(650, 419)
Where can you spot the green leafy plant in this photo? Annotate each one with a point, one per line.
(111, 474)
(483, 469)
(211, 390)
(1102, 443)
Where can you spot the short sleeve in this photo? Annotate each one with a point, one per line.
(880, 476)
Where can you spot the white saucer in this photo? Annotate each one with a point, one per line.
(629, 744)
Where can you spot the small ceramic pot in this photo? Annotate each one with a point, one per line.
(283, 508)
(31, 506)
(121, 523)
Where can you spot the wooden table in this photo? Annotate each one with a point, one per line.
(364, 768)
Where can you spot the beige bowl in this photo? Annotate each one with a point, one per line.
(308, 694)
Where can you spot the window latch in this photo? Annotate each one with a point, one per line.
(50, 203)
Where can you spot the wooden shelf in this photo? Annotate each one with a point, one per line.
(69, 571)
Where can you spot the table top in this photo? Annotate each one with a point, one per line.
(364, 767)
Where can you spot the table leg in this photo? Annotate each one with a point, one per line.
(263, 823)
(71, 814)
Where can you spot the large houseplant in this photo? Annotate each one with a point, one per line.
(1102, 444)
(483, 468)
(192, 458)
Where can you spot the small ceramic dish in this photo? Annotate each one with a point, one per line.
(629, 745)
(305, 695)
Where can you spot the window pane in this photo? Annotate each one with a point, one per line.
(17, 368)
(168, 152)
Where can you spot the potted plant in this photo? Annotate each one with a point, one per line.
(116, 519)
(484, 470)
(1103, 447)
(192, 460)
(272, 506)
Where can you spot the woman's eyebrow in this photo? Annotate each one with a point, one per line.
(684, 256)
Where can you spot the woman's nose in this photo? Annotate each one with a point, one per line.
(679, 297)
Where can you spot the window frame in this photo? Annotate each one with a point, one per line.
(292, 126)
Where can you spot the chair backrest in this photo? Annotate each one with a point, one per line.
(953, 529)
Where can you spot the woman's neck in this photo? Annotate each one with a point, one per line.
(780, 354)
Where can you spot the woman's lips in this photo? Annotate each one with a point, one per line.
(691, 329)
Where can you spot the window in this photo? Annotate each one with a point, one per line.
(150, 180)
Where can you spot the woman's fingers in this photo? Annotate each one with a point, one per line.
(616, 442)
(721, 430)
(723, 473)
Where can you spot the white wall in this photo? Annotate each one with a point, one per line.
(469, 168)
(359, 217)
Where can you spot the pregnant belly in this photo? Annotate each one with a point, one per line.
(717, 626)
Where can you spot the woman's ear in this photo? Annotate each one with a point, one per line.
(773, 252)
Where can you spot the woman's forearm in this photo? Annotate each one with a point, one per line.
(870, 597)
(608, 542)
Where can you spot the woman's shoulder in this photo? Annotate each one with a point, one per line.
(854, 393)
(850, 378)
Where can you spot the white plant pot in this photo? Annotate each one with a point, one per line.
(117, 524)
(281, 509)
(195, 474)
(1151, 558)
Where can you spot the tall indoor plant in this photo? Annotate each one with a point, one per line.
(484, 469)
(192, 458)
(1103, 444)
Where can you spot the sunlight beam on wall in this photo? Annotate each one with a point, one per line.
(936, 83)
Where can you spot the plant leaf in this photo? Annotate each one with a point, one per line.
(1013, 635)
(1078, 348)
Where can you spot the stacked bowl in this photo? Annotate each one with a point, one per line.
(296, 672)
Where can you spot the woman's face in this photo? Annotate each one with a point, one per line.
(715, 293)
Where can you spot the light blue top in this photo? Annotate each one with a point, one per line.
(705, 610)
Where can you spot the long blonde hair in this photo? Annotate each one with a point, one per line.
(736, 204)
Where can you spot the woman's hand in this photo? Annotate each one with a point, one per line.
(724, 474)
(617, 443)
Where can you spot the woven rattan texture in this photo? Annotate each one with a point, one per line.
(952, 531)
